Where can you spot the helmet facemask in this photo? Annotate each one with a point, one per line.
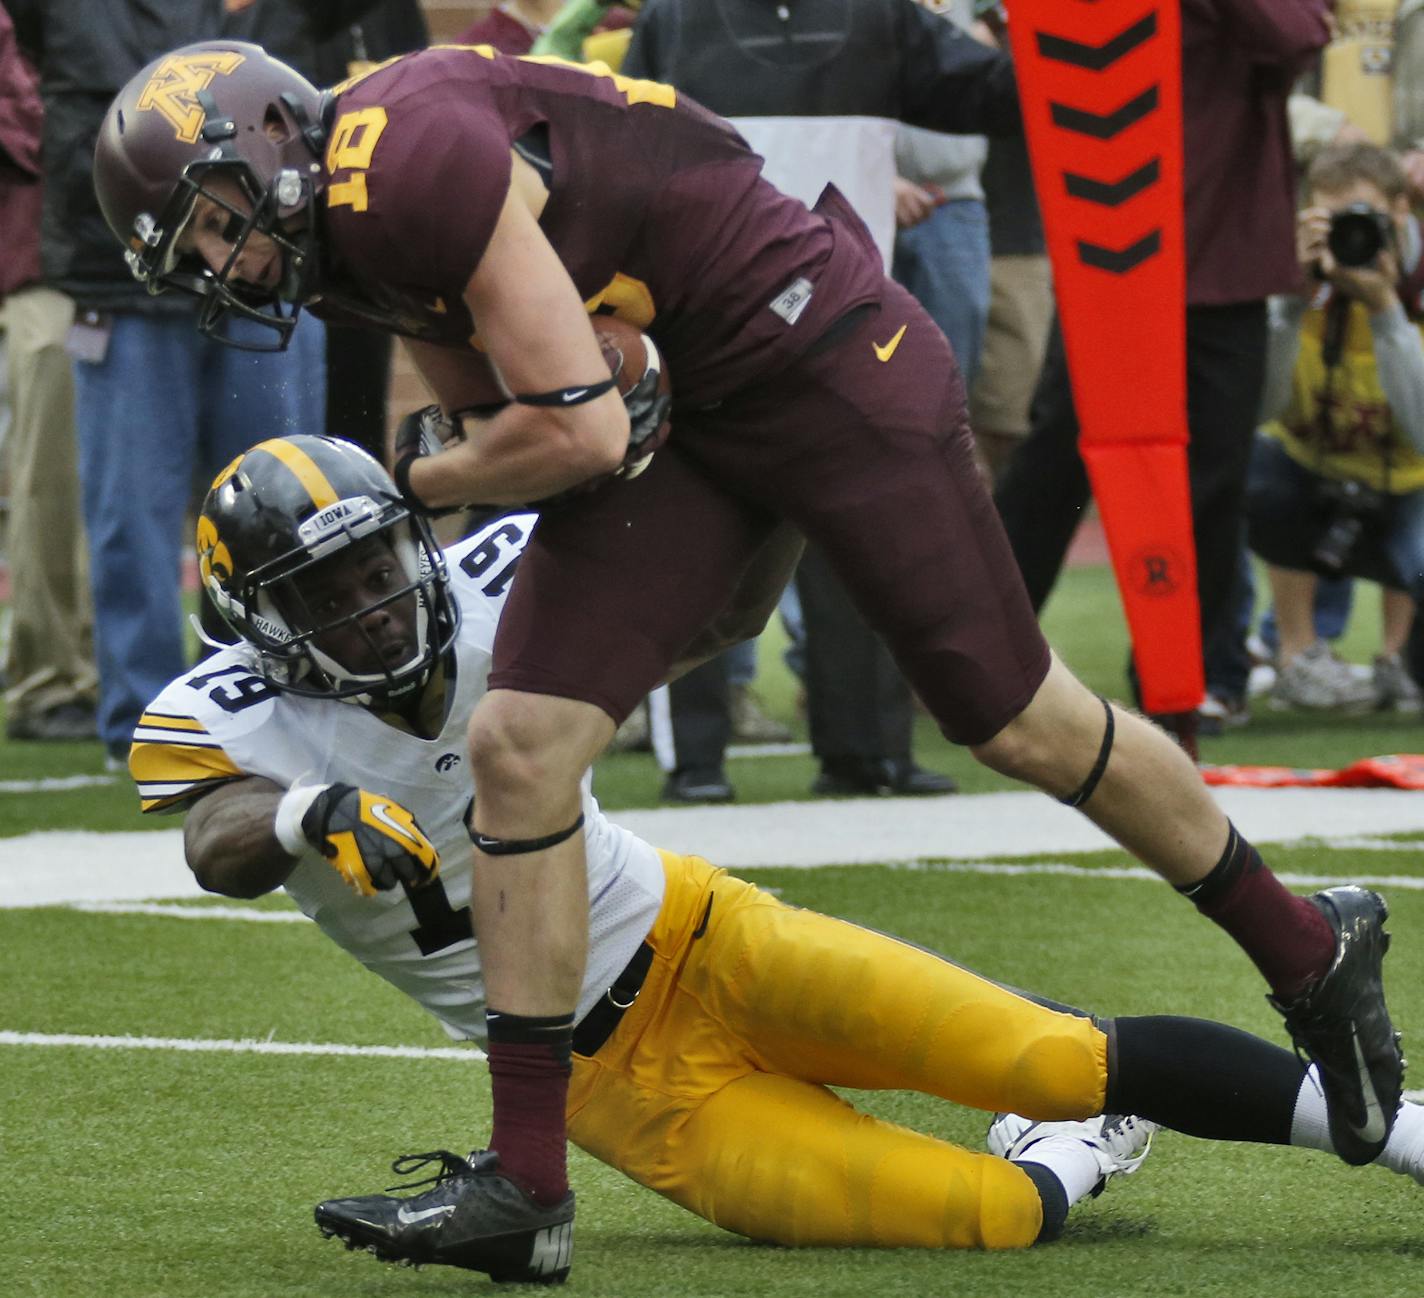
(283, 210)
(295, 641)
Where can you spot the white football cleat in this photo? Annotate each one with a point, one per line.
(1120, 1142)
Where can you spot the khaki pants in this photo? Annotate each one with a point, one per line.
(50, 657)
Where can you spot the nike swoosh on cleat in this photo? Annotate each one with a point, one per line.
(408, 1218)
(1374, 1127)
(886, 351)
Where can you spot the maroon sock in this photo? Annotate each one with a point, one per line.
(530, 1061)
(1290, 941)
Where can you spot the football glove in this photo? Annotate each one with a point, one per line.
(426, 431)
(647, 423)
(372, 842)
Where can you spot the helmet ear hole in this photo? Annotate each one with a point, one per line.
(275, 126)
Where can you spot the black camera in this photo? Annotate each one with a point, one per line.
(1350, 507)
(1358, 234)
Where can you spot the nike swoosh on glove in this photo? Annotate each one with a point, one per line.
(372, 842)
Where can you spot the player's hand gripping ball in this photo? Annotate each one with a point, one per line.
(372, 842)
(426, 431)
(643, 384)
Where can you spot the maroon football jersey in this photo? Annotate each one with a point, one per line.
(657, 209)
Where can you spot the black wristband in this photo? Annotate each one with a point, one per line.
(575, 396)
(400, 471)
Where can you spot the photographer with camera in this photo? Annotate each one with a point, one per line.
(1337, 475)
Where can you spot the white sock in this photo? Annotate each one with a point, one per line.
(1070, 1160)
(1403, 1151)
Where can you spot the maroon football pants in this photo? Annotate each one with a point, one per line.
(865, 446)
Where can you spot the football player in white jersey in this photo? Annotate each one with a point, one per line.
(324, 753)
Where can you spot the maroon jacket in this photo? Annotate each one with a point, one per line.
(1239, 60)
(20, 118)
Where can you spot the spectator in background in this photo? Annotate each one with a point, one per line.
(1408, 106)
(513, 26)
(49, 663)
(158, 407)
(358, 359)
(1238, 63)
(1232, 657)
(1337, 479)
(1020, 307)
(942, 230)
(759, 64)
(1408, 94)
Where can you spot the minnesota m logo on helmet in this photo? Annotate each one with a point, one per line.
(173, 88)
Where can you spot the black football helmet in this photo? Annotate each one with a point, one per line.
(282, 508)
(216, 108)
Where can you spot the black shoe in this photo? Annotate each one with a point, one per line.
(698, 787)
(845, 777)
(1341, 1022)
(474, 1217)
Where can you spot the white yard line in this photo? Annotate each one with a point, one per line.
(55, 783)
(177, 910)
(203, 1045)
(62, 867)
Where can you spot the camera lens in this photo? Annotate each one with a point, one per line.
(1357, 235)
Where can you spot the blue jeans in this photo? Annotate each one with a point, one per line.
(944, 262)
(157, 417)
(1287, 519)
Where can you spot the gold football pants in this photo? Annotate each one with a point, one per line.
(713, 1088)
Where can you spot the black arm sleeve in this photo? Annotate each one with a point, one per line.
(952, 82)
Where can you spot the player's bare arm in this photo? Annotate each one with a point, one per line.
(536, 331)
(230, 840)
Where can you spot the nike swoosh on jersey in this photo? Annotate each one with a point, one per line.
(886, 350)
(408, 1218)
(1374, 1127)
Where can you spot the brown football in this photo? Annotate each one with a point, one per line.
(628, 352)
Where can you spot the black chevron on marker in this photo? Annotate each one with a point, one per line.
(1097, 57)
(1120, 261)
(1112, 193)
(1103, 126)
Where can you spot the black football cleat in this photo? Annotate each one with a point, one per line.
(473, 1216)
(1342, 1023)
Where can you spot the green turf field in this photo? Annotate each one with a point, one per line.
(133, 1172)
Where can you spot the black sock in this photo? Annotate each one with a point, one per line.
(1055, 1200)
(1204, 1079)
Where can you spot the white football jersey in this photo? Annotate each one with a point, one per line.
(221, 721)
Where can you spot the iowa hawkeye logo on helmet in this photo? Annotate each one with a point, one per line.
(173, 88)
